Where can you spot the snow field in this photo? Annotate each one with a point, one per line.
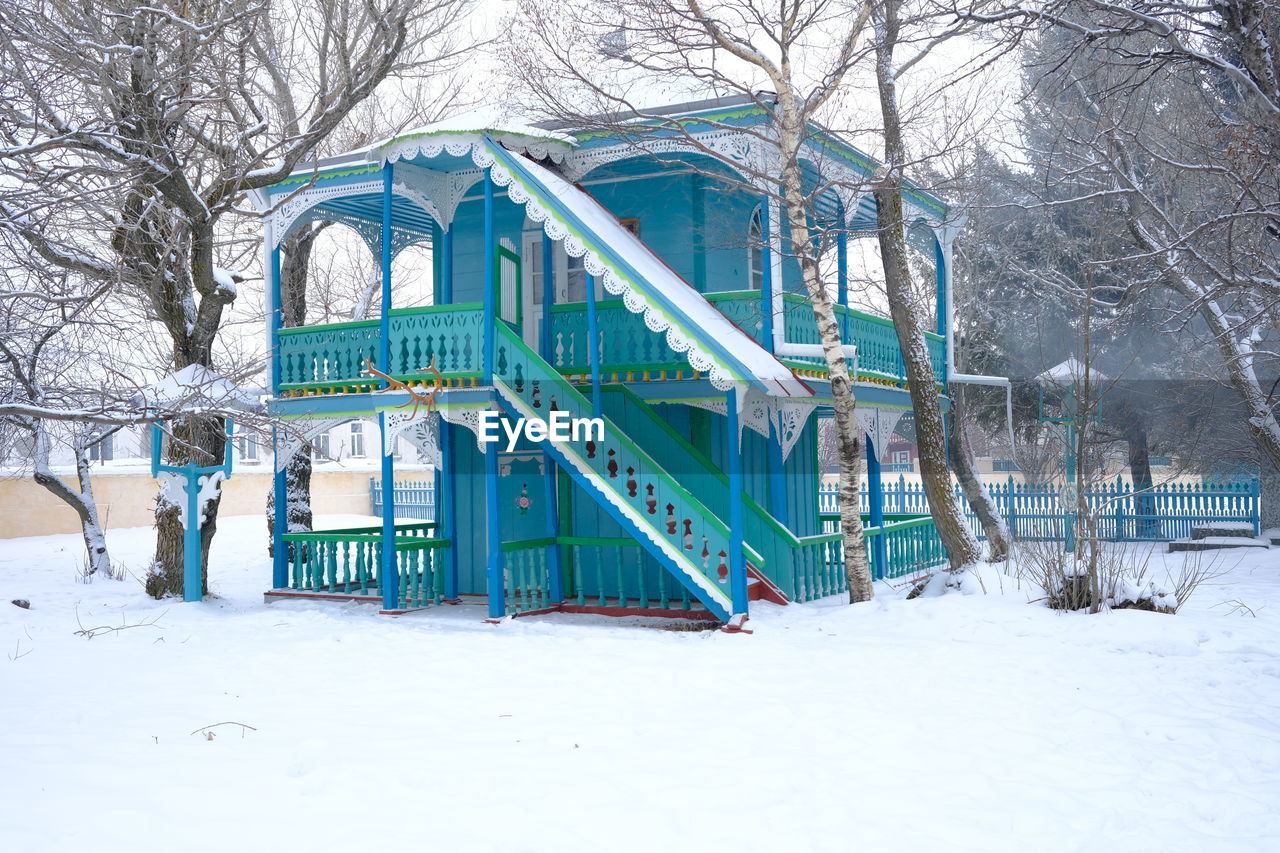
(962, 722)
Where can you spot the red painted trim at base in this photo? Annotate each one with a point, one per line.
(607, 610)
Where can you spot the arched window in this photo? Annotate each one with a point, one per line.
(755, 251)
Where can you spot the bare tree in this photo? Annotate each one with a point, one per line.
(65, 383)
(1169, 115)
(138, 127)
(908, 322)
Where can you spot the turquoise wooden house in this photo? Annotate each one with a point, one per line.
(576, 277)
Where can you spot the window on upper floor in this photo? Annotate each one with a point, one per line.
(755, 251)
(320, 447)
(357, 440)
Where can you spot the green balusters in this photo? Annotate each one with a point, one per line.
(578, 588)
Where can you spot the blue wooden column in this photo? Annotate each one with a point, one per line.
(842, 267)
(446, 495)
(779, 506)
(490, 279)
(875, 501)
(390, 581)
(279, 551)
(766, 277)
(593, 346)
(940, 262)
(446, 266)
(737, 559)
(550, 475)
(493, 531)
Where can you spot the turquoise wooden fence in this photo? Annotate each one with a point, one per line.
(1034, 511)
(413, 498)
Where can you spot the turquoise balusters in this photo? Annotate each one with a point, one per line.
(600, 574)
(622, 580)
(640, 576)
(404, 574)
(346, 567)
(665, 599)
(437, 572)
(522, 578)
(538, 573)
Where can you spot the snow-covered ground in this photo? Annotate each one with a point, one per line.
(963, 722)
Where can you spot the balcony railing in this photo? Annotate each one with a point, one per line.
(875, 337)
(332, 357)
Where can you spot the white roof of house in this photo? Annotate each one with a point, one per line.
(1070, 372)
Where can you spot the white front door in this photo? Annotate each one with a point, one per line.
(531, 251)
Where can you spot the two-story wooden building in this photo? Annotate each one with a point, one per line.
(576, 272)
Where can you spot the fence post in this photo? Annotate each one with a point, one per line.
(1255, 505)
(1011, 509)
(1119, 497)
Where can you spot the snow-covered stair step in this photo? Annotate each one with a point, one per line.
(1219, 529)
(1212, 543)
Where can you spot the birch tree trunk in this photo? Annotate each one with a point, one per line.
(82, 502)
(993, 525)
(962, 548)
(848, 433)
